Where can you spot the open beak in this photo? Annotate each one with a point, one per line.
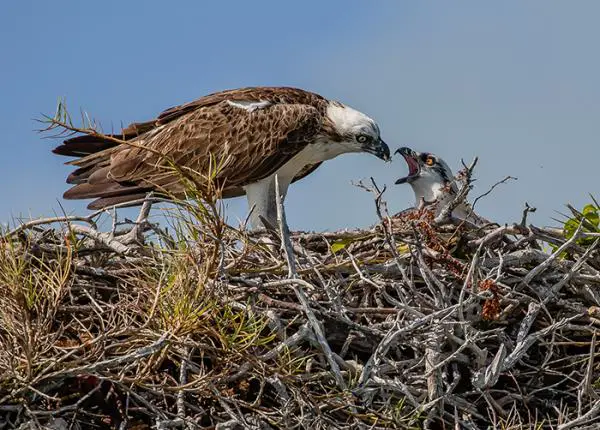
(414, 167)
(378, 149)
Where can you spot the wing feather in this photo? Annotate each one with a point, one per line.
(248, 144)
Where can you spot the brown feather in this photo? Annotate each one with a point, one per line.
(86, 191)
(248, 145)
(104, 202)
(83, 145)
(99, 176)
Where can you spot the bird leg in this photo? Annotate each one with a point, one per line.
(261, 200)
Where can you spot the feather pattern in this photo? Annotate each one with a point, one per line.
(248, 144)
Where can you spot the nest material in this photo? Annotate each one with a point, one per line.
(405, 325)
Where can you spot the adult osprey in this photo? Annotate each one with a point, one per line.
(432, 181)
(252, 133)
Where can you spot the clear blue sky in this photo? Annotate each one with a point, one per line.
(515, 83)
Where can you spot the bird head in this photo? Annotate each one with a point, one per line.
(428, 175)
(354, 131)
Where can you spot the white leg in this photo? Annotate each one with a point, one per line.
(259, 194)
(261, 200)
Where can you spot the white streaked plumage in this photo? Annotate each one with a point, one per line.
(250, 106)
(433, 182)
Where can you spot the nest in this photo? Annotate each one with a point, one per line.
(412, 323)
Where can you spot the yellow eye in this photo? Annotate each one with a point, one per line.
(430, 161)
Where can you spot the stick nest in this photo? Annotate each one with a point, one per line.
(409, 324)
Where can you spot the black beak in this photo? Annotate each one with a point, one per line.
(378, 149)
(406, 152)
(412, 159)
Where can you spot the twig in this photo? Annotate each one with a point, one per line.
(318, 331)
(75, 406)
(526, 212)
(116, 361)
(487, 193)
(543, 266)
(183, 370)
(585, 418)
(460, 197)
(135, 235)
(113, 244)
(284, 232)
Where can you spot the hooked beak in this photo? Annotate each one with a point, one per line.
(414, 167)
(378, 149)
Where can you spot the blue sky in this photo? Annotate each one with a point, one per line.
(515, 83)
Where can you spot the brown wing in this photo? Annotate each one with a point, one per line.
(275, 95)
(87, 144)
(249, 146)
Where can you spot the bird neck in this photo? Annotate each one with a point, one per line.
(428, 190)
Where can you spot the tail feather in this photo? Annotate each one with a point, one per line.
(81, 146)
(100, 175)
(82, 174)
(113, 189)
(87, 144)
(105, 202)
(92, 178)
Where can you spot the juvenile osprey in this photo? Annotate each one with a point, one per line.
(432, 181)
(252, 133)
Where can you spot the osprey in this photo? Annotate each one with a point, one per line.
(251, 134)
(433, 182)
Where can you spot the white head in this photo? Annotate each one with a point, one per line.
(432, 181)
(428, 175)
(353, 131)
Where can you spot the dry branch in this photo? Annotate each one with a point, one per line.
(406, 324)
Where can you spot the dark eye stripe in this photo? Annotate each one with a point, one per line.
(442, 172)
